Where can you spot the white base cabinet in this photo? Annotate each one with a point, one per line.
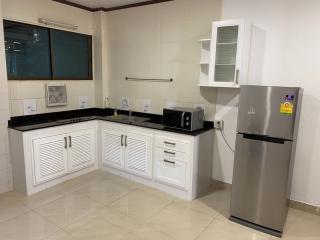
(178, 164)
(127, 149)
(50, 158)
(45, 157)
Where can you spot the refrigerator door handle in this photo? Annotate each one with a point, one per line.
(264, 138)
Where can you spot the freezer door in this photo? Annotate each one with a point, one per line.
(260, 179)
(263, 111)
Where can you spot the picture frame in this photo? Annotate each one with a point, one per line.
(56, 94)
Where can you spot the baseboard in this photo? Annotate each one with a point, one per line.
(305, 207)
(218, 185)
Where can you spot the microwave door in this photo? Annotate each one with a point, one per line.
(173, 119)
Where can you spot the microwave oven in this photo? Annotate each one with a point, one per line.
(188, 119)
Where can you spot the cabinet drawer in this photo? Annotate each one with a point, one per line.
(171, 172)
(170, 143)
(164, 153)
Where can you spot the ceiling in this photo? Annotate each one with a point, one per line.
(105, 3)
(108, 5)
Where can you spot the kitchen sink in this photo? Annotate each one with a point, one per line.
(127, 118)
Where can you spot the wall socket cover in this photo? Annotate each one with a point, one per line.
(147, 105)
(218, 124)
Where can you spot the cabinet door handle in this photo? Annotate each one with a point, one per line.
(169, 143)
(121, 140)
(70, 142)
(65, 143)
(126, 141)
(237, 76)
(182, 119)
(171, 153)
(167, 161)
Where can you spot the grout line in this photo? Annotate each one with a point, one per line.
(206, 227)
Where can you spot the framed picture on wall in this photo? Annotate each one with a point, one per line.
(56, 94)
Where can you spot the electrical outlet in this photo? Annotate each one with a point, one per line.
(218, 124)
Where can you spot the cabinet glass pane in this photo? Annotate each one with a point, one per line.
(71, 54)
(228, 34)
(27, 51)
(226, 53)
(224, 73)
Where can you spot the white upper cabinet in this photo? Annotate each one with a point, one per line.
(229, 54)
(50, 158)
(82, 149)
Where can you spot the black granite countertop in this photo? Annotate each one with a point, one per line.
(39, 121)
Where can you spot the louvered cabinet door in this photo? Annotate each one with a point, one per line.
(50, 158)
(82, 149)
(139, 154)
(112, 148)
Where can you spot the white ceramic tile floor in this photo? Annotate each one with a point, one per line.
(103, 206)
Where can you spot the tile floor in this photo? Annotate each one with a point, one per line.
(103, 206)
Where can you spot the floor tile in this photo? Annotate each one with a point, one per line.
(67, 209)
(140, 204)
(224, 230)
(29, 226)
(104, 206)
(180, 222)
(11, 206)
(148, 233)
(59, 235)
(302, 225)
(120, 219)
(94, 227)
(105, 191)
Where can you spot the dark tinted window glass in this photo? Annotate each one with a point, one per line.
(27, 51)
(71, 54)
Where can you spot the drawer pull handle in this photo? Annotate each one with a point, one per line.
(171, 153)
(65, 143)
(167, 161)
(169, 143)
(70, 142)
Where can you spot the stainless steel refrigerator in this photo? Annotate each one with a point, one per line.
(265, 147)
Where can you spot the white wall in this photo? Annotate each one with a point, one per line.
(29, 11)
(5, 166)
(286, 50)
(160, 41)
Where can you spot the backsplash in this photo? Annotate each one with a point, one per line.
(76, 90)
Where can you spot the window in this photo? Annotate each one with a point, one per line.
(71, 55)
(34, 52)
(27, 51)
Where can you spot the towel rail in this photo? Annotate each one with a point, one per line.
(149, 79)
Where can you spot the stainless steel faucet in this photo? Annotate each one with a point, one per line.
(115, 112)
(130, 113)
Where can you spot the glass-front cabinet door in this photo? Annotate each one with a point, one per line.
(228, 54)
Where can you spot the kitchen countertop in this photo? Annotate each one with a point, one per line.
(40, 121)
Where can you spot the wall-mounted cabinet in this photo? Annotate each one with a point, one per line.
(229, 55)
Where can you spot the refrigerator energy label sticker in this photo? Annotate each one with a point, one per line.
(286, 108)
